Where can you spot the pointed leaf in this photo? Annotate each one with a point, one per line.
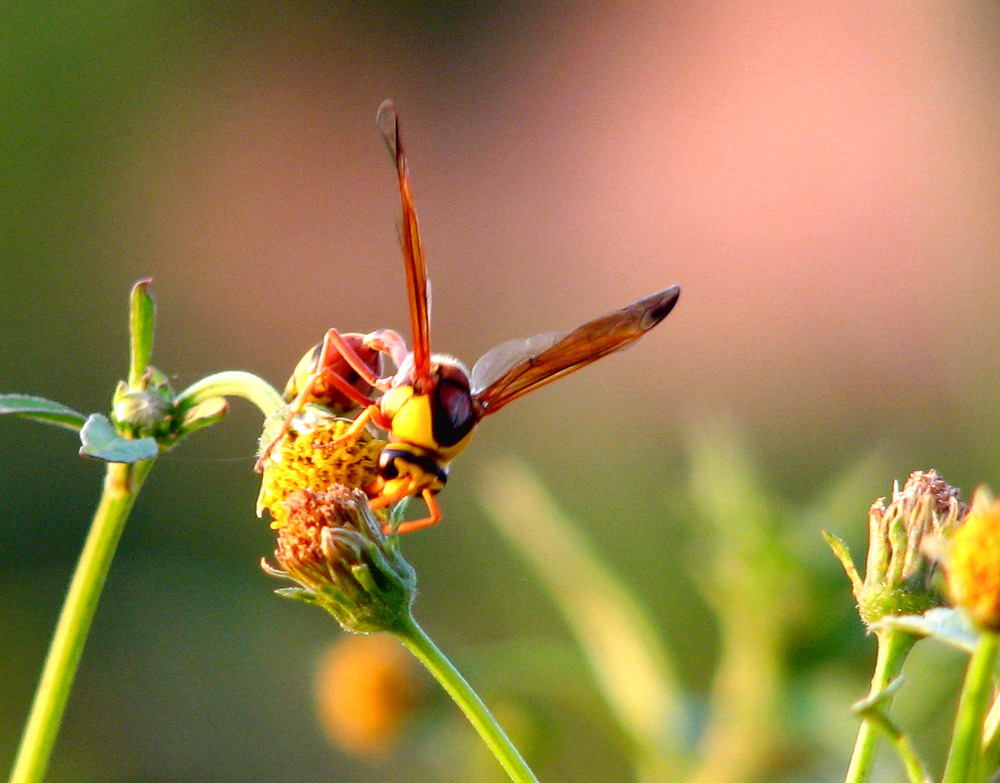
(41, 409)
(101, 440)
(141, 320)
(944, 624)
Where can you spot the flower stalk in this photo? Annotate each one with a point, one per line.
(965, 758)
(898, 581)
(421, 645)
(146, 419)
(893, 647)
(331, 544)
(121, 485)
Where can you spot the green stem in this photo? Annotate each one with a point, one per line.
(420, 644)
(233, 383)
(991, 735)
(893, 647)
(965, 756)
(121, 484)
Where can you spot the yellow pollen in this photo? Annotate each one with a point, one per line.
(306, 460)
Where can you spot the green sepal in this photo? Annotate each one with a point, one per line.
(43, 410)
(298, 594)
(101, 440)
(841, 552)
(142, 318)
(201, 415)
(946, 625)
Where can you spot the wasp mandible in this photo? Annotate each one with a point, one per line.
(431, 404)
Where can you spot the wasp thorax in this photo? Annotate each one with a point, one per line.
(436, 412)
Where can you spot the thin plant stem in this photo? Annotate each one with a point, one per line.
(121, 485)
(233, 383)
(991, 735)
(893, 647)
(421, 645)
(965, 755)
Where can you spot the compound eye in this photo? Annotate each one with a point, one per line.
(453, 411)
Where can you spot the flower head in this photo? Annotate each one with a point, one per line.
(332, 544)
(309, 458)
(899, 571)
(972, 562)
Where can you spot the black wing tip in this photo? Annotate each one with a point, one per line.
(659, 305)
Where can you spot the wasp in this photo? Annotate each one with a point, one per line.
(430, 405)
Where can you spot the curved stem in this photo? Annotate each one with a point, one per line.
(233, 383)
(893, 647)
(121, 484)
(420, 644)
(965, 755)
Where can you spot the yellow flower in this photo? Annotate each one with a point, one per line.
(973, 562)
(306, 459)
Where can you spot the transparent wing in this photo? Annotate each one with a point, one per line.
(515, 368)
(413, 251)
(501, 358)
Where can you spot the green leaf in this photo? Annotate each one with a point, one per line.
(141, 320)
(41, 409)
(101, 440)
(944, 624)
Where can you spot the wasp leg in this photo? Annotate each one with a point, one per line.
(390, 343)
(333, 339)
(382, 501)
(417, 524)
(333, 344)
(372, 412)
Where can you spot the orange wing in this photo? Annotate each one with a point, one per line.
(413, 251)
(516, 368)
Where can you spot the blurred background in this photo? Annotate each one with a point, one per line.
(823, 181)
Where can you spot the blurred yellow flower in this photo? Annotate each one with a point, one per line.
(973, 562)
(366, 688)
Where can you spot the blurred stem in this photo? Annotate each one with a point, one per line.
(893, 647)
(991, 735)
(620, 641)
(965, 755)
(421, 645)
(121, 485)
(232, 383)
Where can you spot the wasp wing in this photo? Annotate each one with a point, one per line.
(515, 368)
(413, 251)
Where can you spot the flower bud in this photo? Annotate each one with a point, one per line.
(144, 410)
(332, 544)
(899, 570)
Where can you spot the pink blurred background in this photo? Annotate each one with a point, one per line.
(822, 180)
